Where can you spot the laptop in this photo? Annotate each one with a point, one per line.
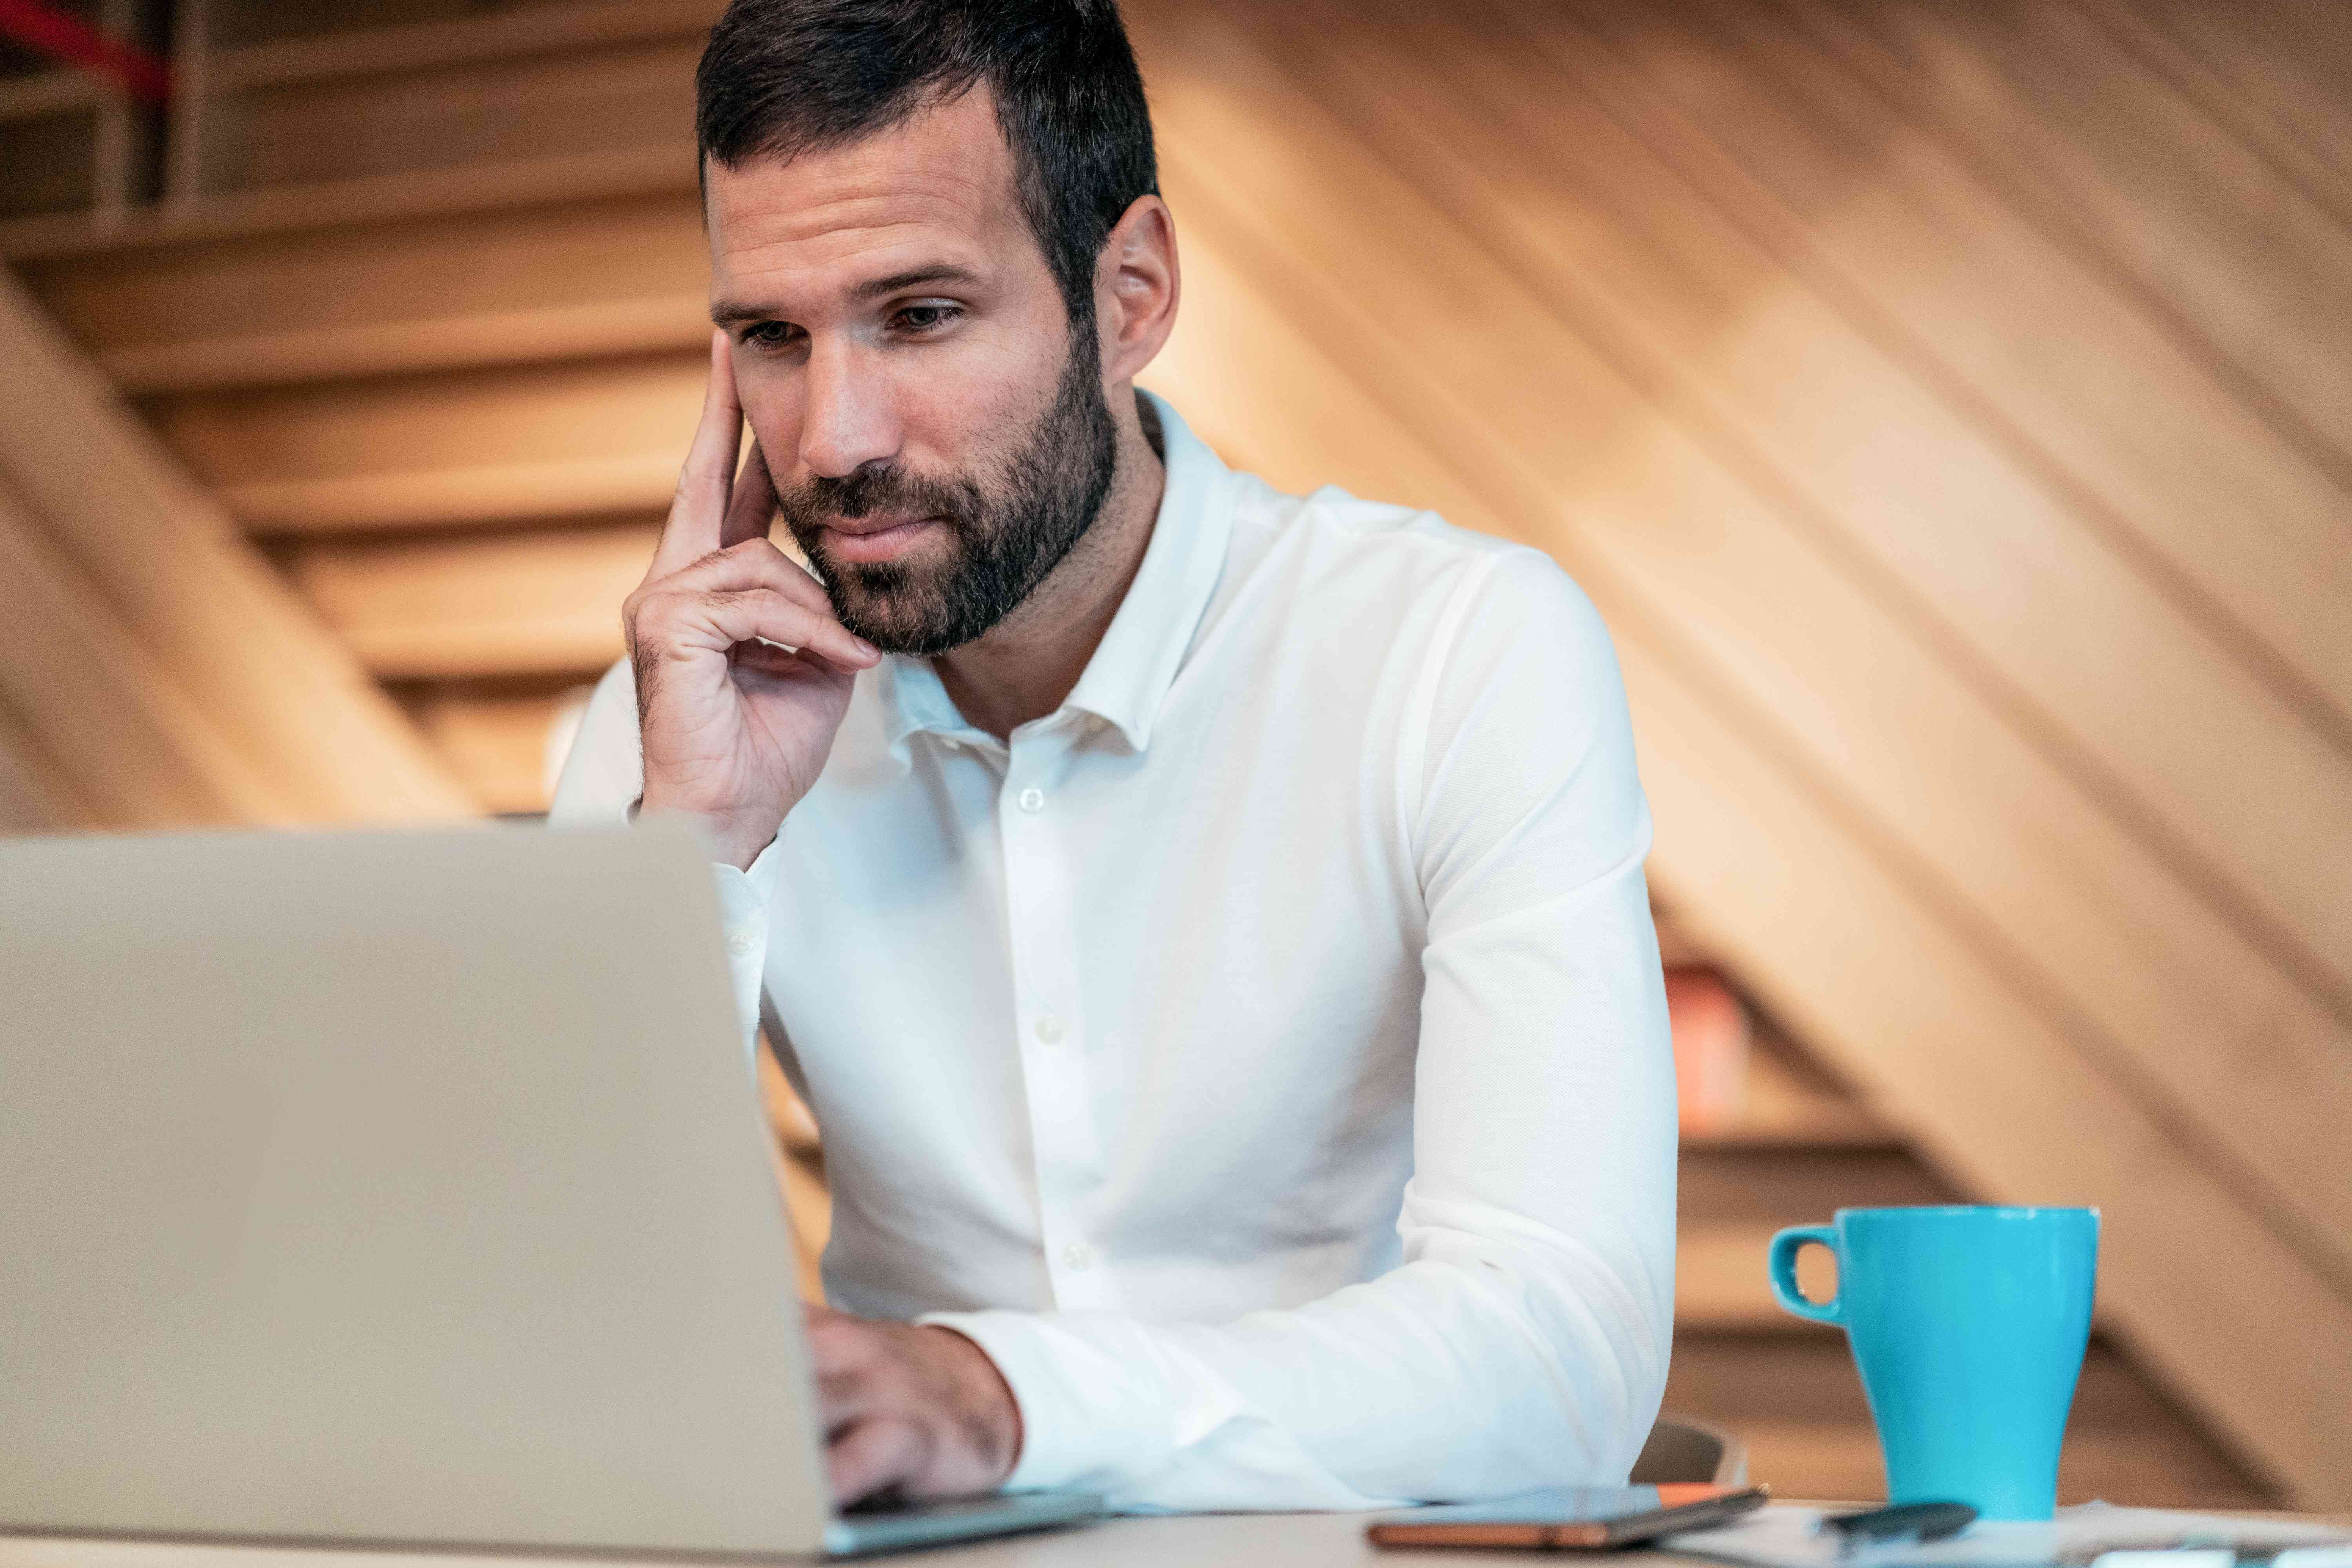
(400, 1187)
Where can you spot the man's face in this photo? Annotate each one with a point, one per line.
(937, 434)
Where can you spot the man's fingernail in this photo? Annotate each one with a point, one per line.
(868, 648)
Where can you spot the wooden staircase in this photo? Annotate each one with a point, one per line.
(455, 436)
(426, 319)
(1803, 1148)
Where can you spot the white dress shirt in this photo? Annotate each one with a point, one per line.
(1263, 1058)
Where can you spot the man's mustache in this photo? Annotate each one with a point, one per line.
(887, 488)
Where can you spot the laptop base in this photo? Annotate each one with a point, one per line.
(929, 1524)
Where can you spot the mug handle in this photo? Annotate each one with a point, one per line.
(1783, 1263)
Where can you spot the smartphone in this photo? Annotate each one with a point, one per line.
(1569, 1519)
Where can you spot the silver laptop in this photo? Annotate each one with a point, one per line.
(399, 1187)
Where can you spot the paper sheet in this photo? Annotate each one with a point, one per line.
(1781, 1537)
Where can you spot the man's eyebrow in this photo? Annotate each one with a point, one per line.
(727, 313)
(938, 272)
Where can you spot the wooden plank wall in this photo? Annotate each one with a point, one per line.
(1947, 401)
(155, 671)
(1883, 474)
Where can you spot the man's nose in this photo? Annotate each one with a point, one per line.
(848, 419)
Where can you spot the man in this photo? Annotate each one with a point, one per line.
(1208, 924)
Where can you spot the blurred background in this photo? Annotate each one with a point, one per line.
(1947, 402)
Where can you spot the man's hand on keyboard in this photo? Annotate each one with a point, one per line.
(909, 1412)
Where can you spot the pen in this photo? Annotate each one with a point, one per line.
(1905, 1521)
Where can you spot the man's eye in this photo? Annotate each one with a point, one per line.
(769, 334)
(924, 318)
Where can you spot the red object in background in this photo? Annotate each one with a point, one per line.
(63, 35)
(1711, 1036)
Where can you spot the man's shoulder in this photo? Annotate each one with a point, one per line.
(1330, 516)
(1330, 549)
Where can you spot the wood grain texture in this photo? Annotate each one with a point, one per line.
(101, 709)
(590, 280)
(535, 603)
(489, 445)
(501, 743)
(280, 692)
(34, 796)
(1626, 493)
(2250, 84)
(1723, 76)
(2090, 139)
(2284, 61)
(1361, 286)
(409, 48)
(1991, 1086)
(800, 1170)
(596, 174)
(499, 111)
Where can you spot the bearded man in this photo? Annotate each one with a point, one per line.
(1208, 924)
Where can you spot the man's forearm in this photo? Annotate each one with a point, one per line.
(1487, 1364)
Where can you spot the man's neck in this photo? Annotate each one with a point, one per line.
(1027, 665)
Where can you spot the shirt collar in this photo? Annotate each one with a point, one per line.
(1139, 655)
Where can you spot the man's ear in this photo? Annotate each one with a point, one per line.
(1135, 286)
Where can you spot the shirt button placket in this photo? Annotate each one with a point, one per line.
(1043, 987)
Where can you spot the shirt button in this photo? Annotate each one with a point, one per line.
(1049, 1029)
(1078, 1255)
(740, 945)
(1032, 799)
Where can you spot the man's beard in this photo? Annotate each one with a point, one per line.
(1008, 533)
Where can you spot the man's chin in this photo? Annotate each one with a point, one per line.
(891, 624)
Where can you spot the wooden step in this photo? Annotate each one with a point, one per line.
(474, 447)
(533, 601)
(589, 279)
(562, 101)
(275, 689)
(1731, 1197)
(614, 97)
(505, 739)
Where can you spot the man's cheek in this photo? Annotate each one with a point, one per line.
(972, 399)
(772, 408)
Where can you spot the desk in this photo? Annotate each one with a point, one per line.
(1197, 1540)
(1193, 1541)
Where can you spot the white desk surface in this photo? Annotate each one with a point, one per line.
(1193, 1541)
(1197, 1540)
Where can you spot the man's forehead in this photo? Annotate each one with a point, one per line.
(943, 176)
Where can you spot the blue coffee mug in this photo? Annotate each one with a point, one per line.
(1967, 1324)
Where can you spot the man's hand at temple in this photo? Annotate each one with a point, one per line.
(743, 672)
(909, 1412)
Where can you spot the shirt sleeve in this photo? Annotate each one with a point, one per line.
(603, 773)
(1522, 1341)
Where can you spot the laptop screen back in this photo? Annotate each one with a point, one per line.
(392, 1186)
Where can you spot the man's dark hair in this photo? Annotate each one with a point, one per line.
(785, 77)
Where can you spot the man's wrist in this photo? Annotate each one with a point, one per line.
(985, 1411)
(734, 838)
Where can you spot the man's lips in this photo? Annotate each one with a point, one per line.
(870, 539)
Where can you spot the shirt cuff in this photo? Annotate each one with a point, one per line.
(1057, 1448)
(743, 902)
